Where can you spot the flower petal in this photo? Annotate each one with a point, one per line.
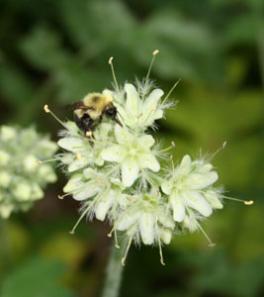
(129, 173)
(147, 228)
(74, 183)
(150, 162)
(114, 153)
(132, 102)
(165, 235)
(213, 198)
(126, 221)
(147, 141)
(122, 135)
(88, 192)
(196, 201)
(178, 209)
(77, 164)
(166, 187)
(150, 107)
(186, 164)
(102, 209)
(201, 181)
(71, 144)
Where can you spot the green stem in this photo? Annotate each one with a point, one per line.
(5, 248)
(114, 272)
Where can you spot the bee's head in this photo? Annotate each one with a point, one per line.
(110, 111)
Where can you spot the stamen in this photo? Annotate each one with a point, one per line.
(80, 219)
(47, 160)
(64, 195)
(123, 260)
(154, 54)
(246, 202)
(78, 156)
(47, 110)
(171, 90)
(218, 151)
(172, 165)
(116, 240)
(168, 148)
(110, 62)
(161, 254)
(111, 232)
(210, 243)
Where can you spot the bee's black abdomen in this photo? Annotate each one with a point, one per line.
(85, 123)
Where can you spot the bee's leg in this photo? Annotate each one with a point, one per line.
(118, 122)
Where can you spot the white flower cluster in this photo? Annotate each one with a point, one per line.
(22, 176)
(117, 173)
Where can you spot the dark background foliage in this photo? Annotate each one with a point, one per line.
(56, 51)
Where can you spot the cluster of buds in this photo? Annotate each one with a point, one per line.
(22, 175)
(117, 176)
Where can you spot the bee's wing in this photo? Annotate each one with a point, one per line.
(78, 105)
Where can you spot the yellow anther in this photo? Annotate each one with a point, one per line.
(46, 108)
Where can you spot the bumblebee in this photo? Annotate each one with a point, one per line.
(89, 112)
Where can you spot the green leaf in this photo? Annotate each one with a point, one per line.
(36, 278)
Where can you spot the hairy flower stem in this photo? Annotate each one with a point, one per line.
(114, 271)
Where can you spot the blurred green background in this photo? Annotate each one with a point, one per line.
(55, 52)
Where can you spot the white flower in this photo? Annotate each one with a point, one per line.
(22, 191)
(116, 176)
(81, 152)
(190, 187)
(86, 185)
(7, 133)
(22, 174)
(5, 179)
(5, 210)
(140, 113)
(30, 163)
(104, 192)
(4, 158)
(146, 216)
(133, 153)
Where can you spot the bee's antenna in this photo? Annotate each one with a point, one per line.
(110, 62)
(171, 90)
(154, 54)
(47, 110)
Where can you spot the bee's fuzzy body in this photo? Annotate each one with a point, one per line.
(89, 112)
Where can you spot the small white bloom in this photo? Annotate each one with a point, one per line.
(4, 158)
(147, 216)
(5, 179)
(22, 191)
(133, 153)
(190, 187)
(7, 133)
(30, 163)
(6, 210)
(140, 113)
(22, 174)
